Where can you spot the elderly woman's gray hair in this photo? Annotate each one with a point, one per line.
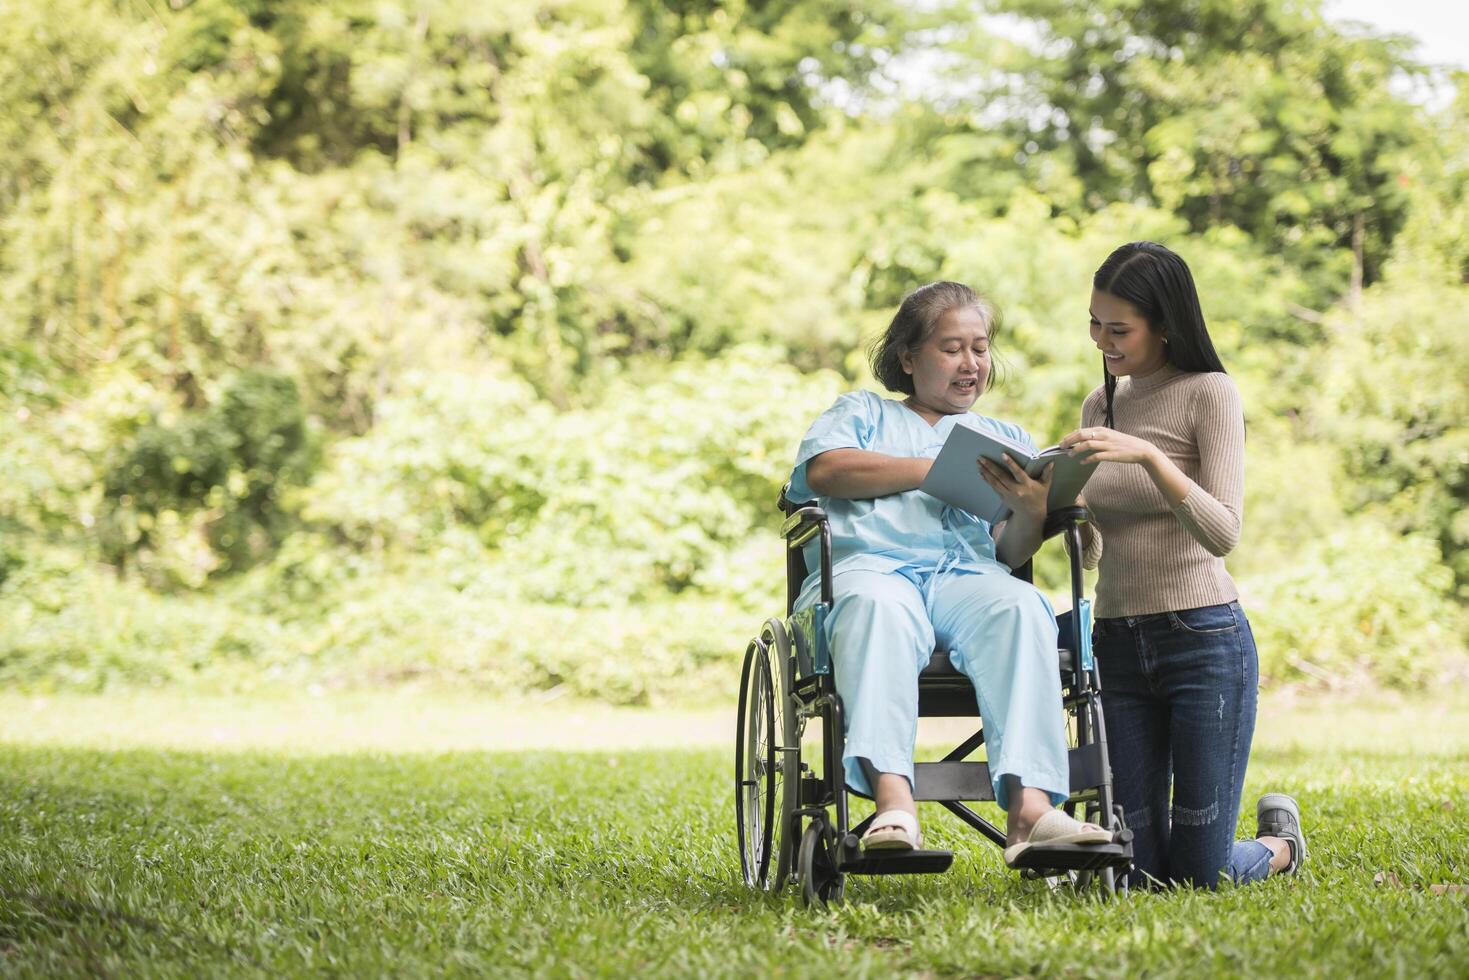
(915, 320)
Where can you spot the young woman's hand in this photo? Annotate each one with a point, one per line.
(1104, 445)
(1020, 492)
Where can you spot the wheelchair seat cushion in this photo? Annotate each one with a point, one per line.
(944, 692)
(941, 669)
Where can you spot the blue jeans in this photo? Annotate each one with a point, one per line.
(1179, 692)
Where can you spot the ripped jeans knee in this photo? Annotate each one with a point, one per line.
(1187, 817)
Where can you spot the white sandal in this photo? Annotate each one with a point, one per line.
(1055, 827)
(899, 832)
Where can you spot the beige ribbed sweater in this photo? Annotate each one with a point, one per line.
(1152, 557)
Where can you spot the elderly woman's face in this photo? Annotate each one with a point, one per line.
(952, 366)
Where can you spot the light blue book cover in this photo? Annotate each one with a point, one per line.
(955, 477)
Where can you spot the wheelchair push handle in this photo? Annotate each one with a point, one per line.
(1061, 519)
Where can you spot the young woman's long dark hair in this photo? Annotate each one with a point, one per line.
(1157, 282)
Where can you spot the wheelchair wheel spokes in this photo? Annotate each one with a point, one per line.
(767, 762)
(785, 755)
(755, 769)
(768, 769)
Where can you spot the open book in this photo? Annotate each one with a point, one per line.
(956, 478)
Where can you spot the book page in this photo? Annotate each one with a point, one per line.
(956, 480)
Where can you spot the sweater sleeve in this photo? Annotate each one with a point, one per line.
(1211, 510)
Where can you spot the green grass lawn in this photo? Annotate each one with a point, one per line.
(140, 855)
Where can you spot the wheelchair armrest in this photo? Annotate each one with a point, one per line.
(1060, 519)
(802, 525)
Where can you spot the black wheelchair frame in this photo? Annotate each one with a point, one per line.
(793, 822)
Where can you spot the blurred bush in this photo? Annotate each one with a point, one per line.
(1362, 603)
(355, 343)
(72, 625)
(203, 493)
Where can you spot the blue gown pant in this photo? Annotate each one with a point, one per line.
(1000, 632)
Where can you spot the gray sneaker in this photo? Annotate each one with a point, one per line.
(1278, 815)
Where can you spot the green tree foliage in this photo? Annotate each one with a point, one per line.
(232, 462)
(1395, 399)
(357, 341)
(1259, 115)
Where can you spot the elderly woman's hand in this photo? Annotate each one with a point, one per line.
(1020, 492)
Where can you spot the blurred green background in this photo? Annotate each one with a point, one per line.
(358, 342)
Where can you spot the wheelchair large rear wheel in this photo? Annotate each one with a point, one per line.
(767, 762)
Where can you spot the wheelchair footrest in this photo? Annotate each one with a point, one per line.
(899, 863)
(1075, 857)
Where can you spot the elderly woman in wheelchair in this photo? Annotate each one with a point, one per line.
(907, 575)
(910, 573)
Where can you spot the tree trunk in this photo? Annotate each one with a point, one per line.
(1354, 297)
(405, 110)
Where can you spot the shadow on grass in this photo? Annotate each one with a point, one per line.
(91, 932)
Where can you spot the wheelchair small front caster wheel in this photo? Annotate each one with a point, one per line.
(821, 883)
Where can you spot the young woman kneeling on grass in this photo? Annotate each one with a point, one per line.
(1173, 646)
(910, 572)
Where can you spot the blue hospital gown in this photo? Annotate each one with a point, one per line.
(903, 528)
(910, 572)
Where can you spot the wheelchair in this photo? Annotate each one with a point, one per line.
(792, 817)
